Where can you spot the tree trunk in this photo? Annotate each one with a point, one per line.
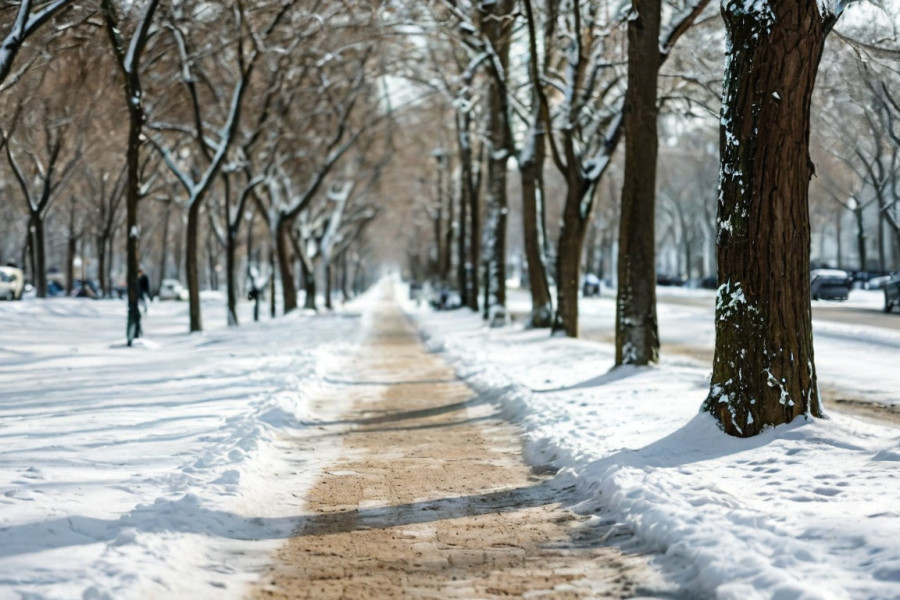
(132, 241)
(211, 276)
(288, 287)
(193, 274)
(448, 240)
(271, 282)
(531, 170)
(568, 255)
(309, 284)
(637, 337)
(475, 238)
(764, 370)
(27, 256)
(100, 241)
(71, 250)
(464, 265)
(39, 263)
(860, 237)
(164, 251)
(328, 273)
(437, 267)
(497, 20)
(231, 284)
(495, 250)
(837, 233)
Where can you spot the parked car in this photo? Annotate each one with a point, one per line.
(12, 283)
(878, 283)
(829, 284)
(668, 279)
(171, 289)
(892, 293)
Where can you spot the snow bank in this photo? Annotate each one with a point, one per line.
(805, 511)
(168, 470)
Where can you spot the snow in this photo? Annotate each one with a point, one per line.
(168, 470)
(806, 510)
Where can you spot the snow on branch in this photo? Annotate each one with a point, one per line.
(24, 25)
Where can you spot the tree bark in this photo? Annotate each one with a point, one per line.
(448, 239)
(475, 235)
(860, 237)
(100, 241)
(39, 250)
(231, 242)
(71, 250)
(531, 171)
(497, 24)
(328, 274)
(271, 282)
(288, 286)
(463, 264)
(764, 370)
(164, 251)
(193, 274)
(637, 337)
(309, 284)
(568, 254)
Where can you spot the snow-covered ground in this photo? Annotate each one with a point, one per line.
(146, 472)
(859, 360)
(805, 511)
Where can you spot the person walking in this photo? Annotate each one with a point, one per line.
(143, 289)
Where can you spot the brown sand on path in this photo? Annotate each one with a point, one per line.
(431, 499)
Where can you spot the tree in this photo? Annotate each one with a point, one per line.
(764, 370)
(51, 173)
(128, 57)
(28, 19)
(637, 336)
(531, 170)
(214, 152)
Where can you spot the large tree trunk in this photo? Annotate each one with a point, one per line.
(475, 236)
(288, 287)
(531, 171)
(637, 337)
(568, 254)
(193, 274)
(464, 266)
(230, 280)
(132, 241)
(497, 24)
(764, 371)
(39, 263)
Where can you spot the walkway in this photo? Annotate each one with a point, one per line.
(431, 499)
